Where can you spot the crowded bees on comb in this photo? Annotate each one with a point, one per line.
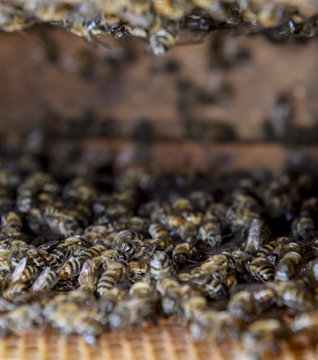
(85, 258)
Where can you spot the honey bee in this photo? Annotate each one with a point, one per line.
(261, 269)
(71, 267)
(162, 40)
(172, 294)
(36, 257)
(305, 321)
(88, 276)
(110, 299)
(304, 227)
(241, 305)
(181, 254)
(61, 252)
(14, 290)
(138, 269)
(131, 311)
(24, 273)
(257, 235)
(263, 298)
(288, 266)
(141, 289)
(61, 223)
(240, 259)
(172, 9)
(216, 323)
(210, 233)
(92, 251)
(193, 305)
(215, 289)
(46, 280)
(160, 237)
(160, 265)
(261, 336)
(200, 200)
(11, 219)
(5, 259)
(272, 249)
(112, 276)
(23, 317)
(293, 295)
(106, 258)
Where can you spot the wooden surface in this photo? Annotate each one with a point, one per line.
(76, 77)
(168, 341)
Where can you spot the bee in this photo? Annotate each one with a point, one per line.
(216, 263)
(271, 250)
(61, 252)
(106, 258)
(23, 317)
(14, 290)
(241, 305)
(172, 294)
(240, 259)
(110, 299)
(216, 323)
(36, 257)
(160, 237)
(127, 243)
(185, 229)
(46, 280)
(5, 259)
(160, 265)
(210, 233)
(258, 234)
(112, 276)
(141, 289)
(293, 295)
(288, 266)
(261, 336)
(305, 321)
(138, 269)
(92, 251)
(200, 200)
(61, 223)
(162, 40)
(215, 289)
(261, 269)
(240, 219)
(71, 267)
(131, 311)
(88, 276)
(193, 305)
(181, 254)
(263, 298)
(24, 273)
(172, 9)
(304, 227)
(11, 219)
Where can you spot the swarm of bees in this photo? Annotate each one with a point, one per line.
(232, 256)
(159, 21)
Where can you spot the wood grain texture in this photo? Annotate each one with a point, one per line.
(170, 340)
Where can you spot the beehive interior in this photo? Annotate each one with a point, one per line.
(214, 143)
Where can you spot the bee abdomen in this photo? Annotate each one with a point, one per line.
(262, 269)
(71, 268)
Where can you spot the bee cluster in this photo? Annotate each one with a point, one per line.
(231, 255)
(159, 21)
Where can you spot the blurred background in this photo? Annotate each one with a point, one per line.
(219, 101)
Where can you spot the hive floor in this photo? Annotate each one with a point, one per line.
(167, 341)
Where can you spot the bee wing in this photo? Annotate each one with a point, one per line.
(19, 269)
(87, 275)
(42, 279)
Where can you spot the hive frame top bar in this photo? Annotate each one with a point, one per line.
(160, 22)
